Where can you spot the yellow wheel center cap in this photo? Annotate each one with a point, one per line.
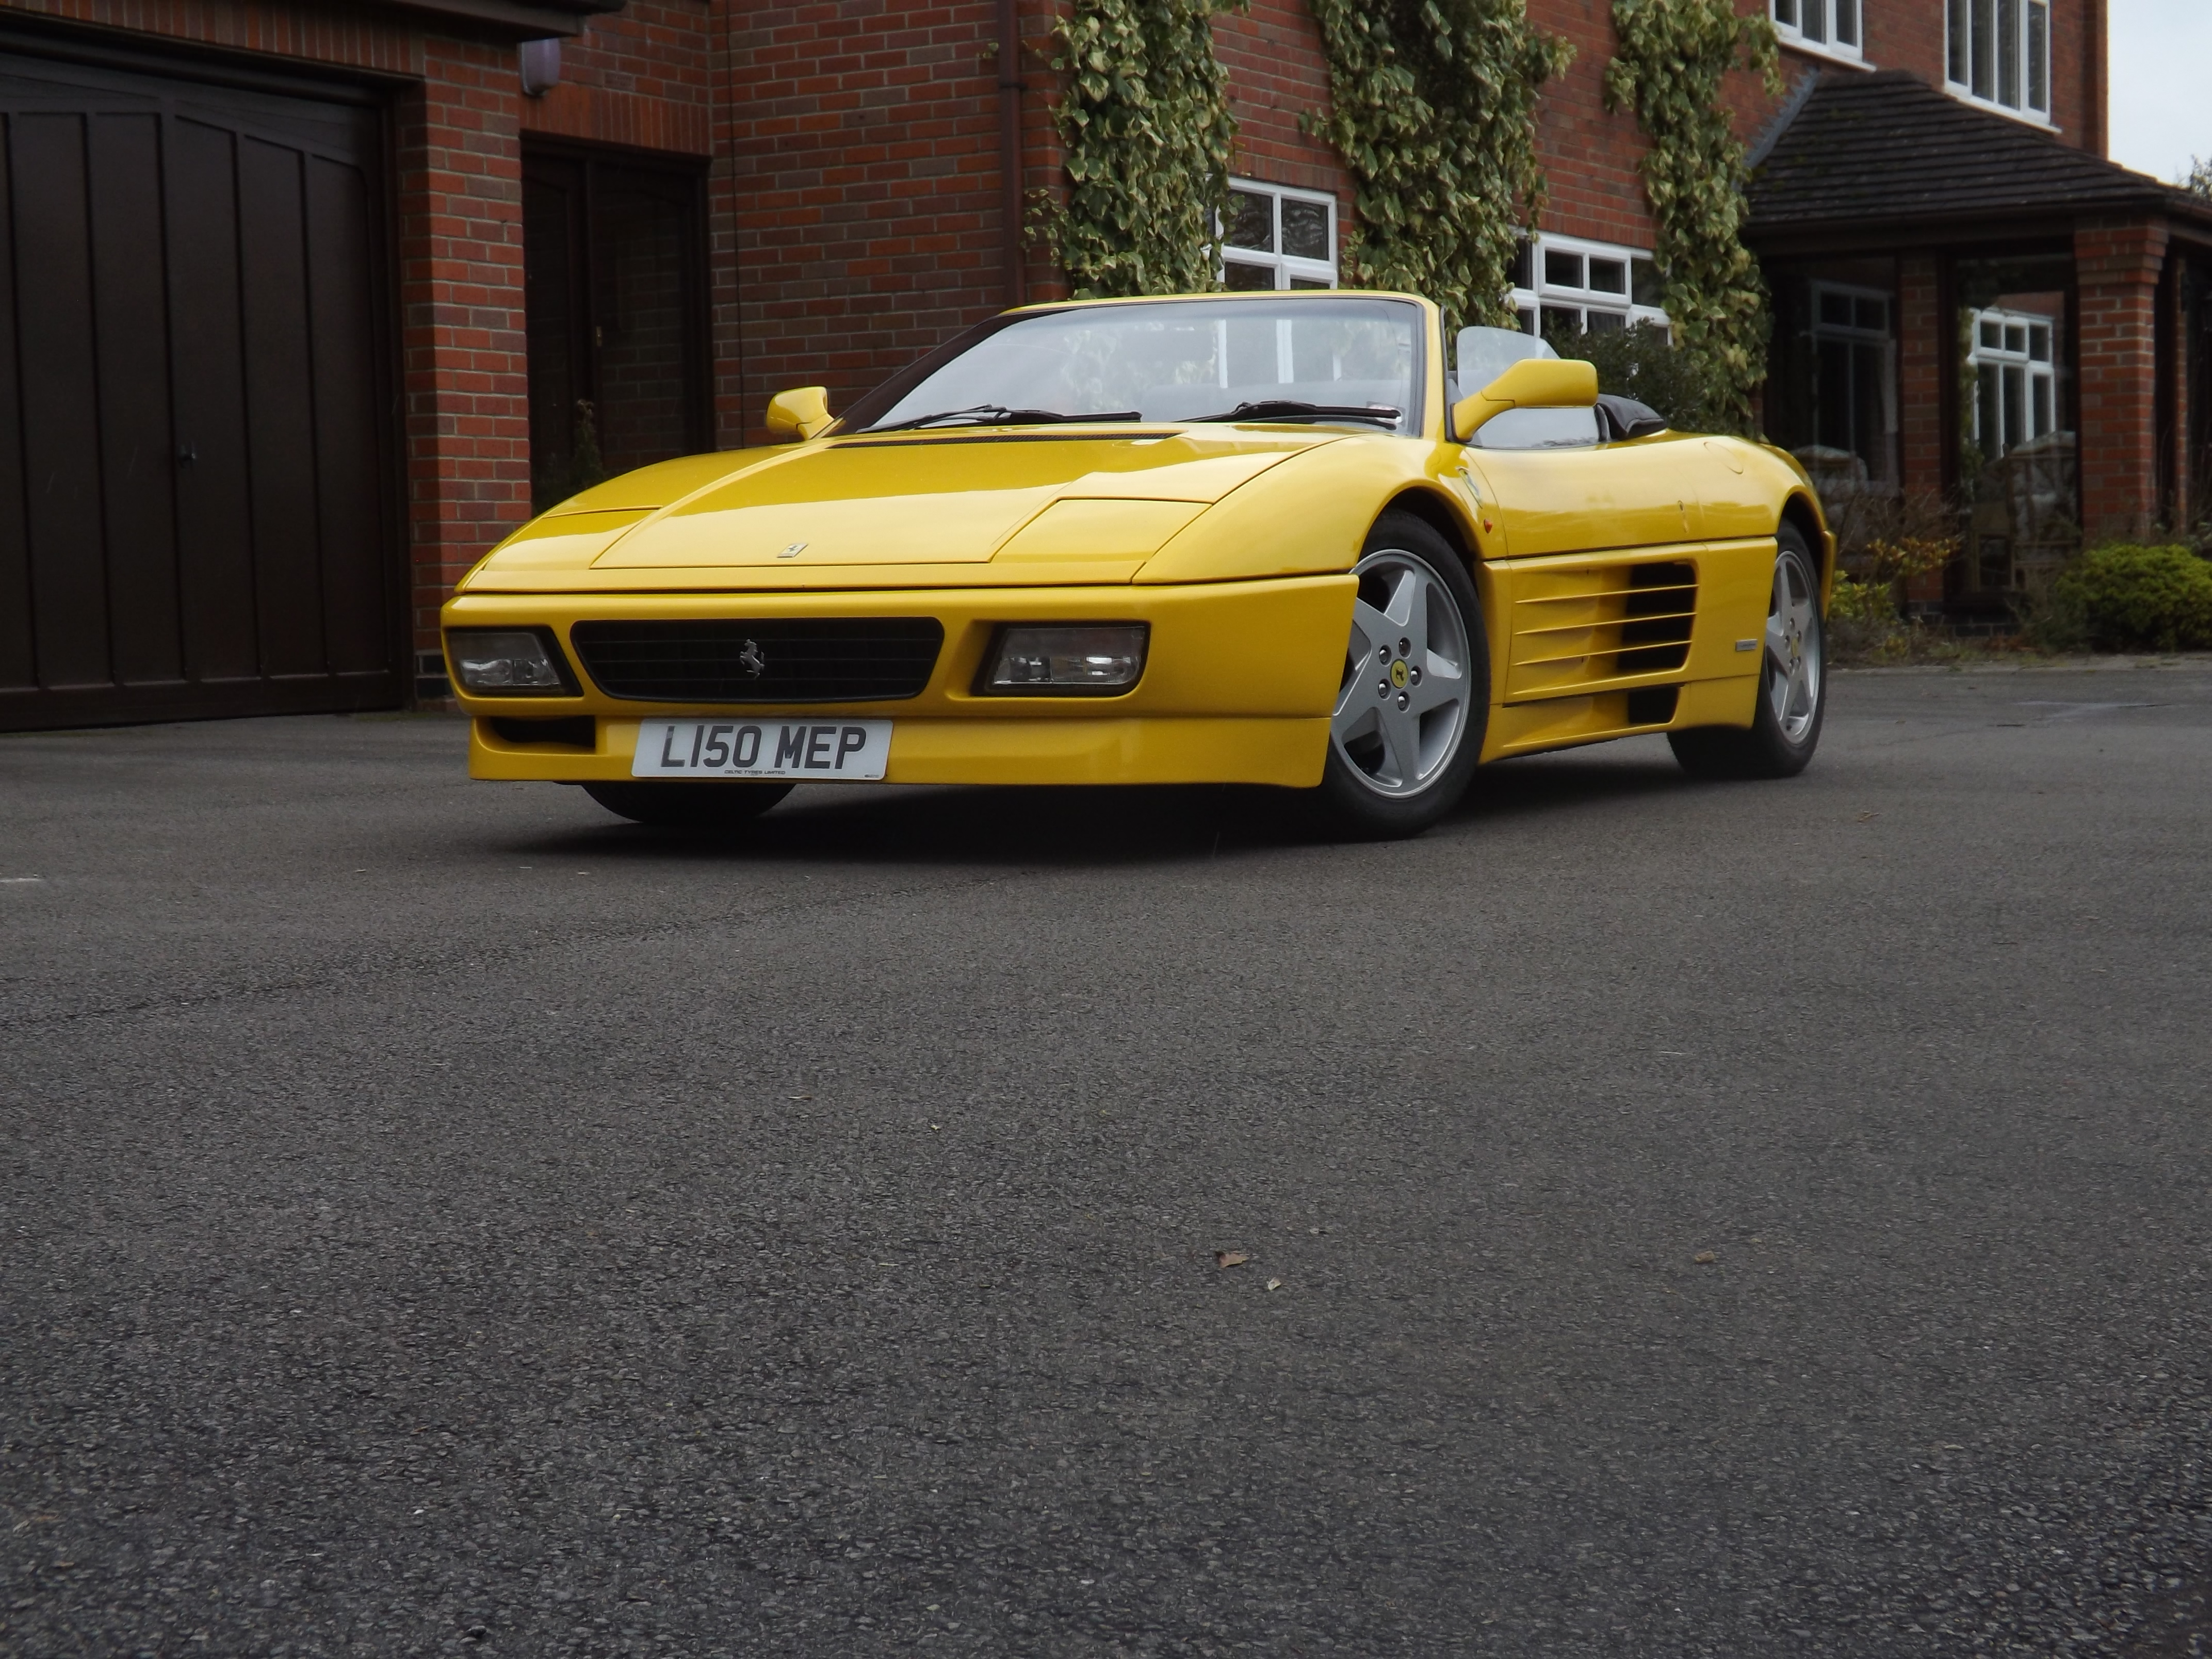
(1398, 674)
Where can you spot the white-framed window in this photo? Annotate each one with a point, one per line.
(1855, 410)
(1563, 285)
(1279, 237)
(2015, 379)
(1998, 54)
(1834, 28)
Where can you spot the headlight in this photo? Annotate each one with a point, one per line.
(1093, 659)
(507, 662)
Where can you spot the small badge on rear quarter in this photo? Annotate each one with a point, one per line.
(792, 551)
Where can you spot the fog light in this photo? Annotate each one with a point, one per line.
(1099, 659)
(501, 663)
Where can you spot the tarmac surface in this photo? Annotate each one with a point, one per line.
(1680, 1218)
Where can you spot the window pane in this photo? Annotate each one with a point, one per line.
(1645, 287)
(1985, 48)
(2009, 53)
(1253, 225)
(1563, 270)
(1609, 276)
(1836, 309)
(1561, 324)
(1847, 23)
(1993, 336)
(2039, 344)
(1785, 13)
(1523, 277)
(1527, 319)
(2016, 409)
(1986, 425)
(2016, 340)
(1604, 322)
(1306, 229)
(1308, 282)
(1873, 315)
(1816, 20)
(2038, 56)
(2043, 421)
(1958, 70)
(1243, 277)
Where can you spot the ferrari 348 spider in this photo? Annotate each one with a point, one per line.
(1262, 538)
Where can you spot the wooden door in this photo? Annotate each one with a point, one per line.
(196, 425)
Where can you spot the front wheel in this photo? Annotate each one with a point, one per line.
(1415, 701)
(1793, 682)
(688, 806)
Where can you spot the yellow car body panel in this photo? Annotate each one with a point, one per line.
(1233, 543)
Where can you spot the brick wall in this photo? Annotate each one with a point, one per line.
(865, 149)
(2117, 266)
(1278, 79)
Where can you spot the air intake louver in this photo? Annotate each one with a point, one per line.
(1576, 629)
(780, 659)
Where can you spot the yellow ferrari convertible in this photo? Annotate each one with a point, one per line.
(1263, 538)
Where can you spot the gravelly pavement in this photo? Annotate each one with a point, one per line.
(439, 1219)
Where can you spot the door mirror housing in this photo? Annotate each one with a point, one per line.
(798, 414)
(1532, 383)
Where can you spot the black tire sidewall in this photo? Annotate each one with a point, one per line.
(1784, 757)
(1349, 806)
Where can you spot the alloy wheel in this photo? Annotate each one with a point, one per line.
(1401, 710)
(1793, 647)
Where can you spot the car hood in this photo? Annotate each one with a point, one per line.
(906, 505)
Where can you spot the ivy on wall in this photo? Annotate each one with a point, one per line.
(1433, 107)
(1673, 56)
(1145, 125)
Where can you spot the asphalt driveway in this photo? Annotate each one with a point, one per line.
(1681, 1218)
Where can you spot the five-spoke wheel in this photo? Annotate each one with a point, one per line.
(1414, 699)
(1785, 725)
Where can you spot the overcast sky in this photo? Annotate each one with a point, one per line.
(2161, 51)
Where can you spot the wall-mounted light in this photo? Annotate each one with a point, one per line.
(541, 67)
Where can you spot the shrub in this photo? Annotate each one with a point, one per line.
(1641, 363)
(2127, 597)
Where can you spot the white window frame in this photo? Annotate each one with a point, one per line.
(1531, 302)
(1961, 19)
(2036, 374)
(1816, 26)
(1288, 268)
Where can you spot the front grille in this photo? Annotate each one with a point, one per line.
(780, 659)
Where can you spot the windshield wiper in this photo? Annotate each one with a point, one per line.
(1288, 408)
(1000, 415)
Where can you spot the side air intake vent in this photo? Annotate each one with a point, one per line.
(774, 659)
(1578, 630)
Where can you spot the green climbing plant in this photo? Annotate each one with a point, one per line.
(1433, 105)
(1673, 56)
(1145, 124)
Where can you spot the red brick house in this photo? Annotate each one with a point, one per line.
(301, 300)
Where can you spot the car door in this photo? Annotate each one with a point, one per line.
(1597, 561)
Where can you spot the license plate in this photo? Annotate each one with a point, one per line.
(821, 751)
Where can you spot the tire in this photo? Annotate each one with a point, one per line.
(1793, 682)
(1406, 732)
(688, 806)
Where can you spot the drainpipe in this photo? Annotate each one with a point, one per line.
(1010, 146)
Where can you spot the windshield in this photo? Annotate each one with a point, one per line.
(1350, 362)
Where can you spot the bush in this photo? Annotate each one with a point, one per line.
(2127, 598)
(1641, 363)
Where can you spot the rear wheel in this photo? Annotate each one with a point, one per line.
(1793, 682)
(688, 806)
(1415, 701)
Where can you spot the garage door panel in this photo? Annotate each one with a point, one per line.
(197, 510)
(137, 455)
(61, 439)
(349, 444)
(215, 520)
(281, 430)
(18, 670)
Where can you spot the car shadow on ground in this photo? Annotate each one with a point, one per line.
(1104, 825)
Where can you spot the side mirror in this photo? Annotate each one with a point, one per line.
(1532, 383)
(798, 414)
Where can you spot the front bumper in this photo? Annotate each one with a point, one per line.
(1238, 686)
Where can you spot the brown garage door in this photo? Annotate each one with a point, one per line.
(195, 438)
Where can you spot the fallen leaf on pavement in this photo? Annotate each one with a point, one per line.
(1230, 1258)
(1274, 1284)
(1706, 1258)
